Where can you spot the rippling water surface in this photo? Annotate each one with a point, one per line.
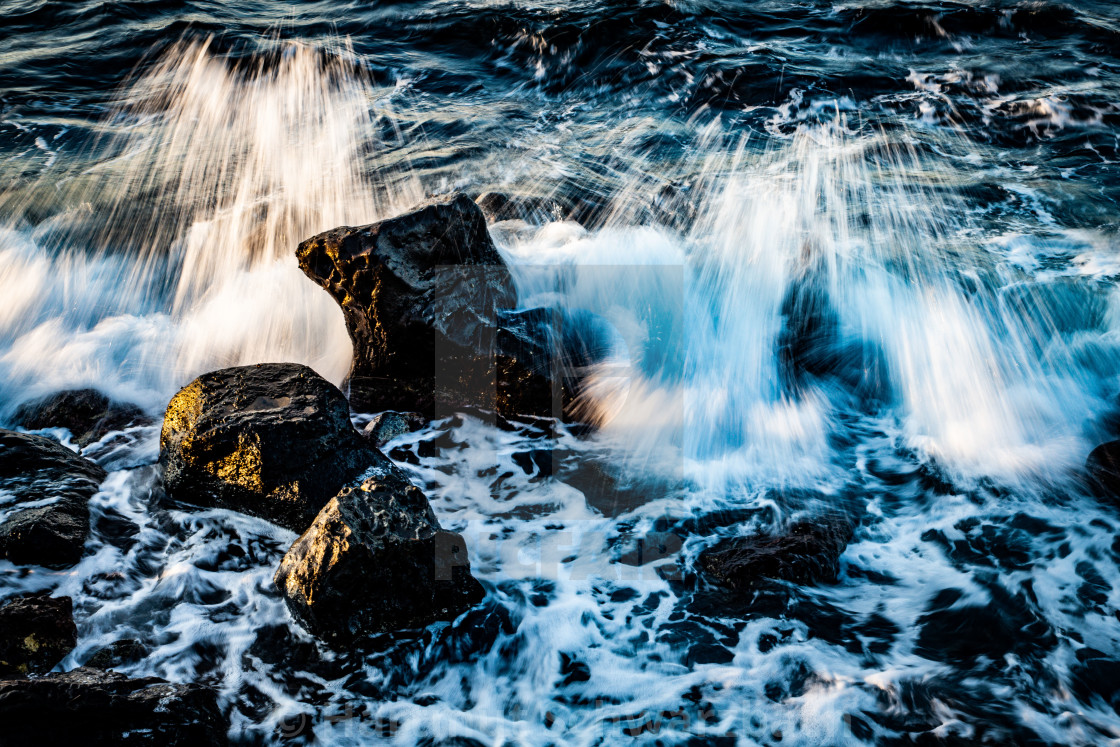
(848, 257)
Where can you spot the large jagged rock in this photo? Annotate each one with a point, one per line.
(422, 294)
(806, 553)
(87, 413)
(57, 483)
(376, 560)
(93, 707)
(272, 440)
(36, 632)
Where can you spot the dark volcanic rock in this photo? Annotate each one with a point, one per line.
(388, 425)
(1103, 470)
(421, 294)
(272, 440)
(58, 483)
(808, 552)
(376, 560)
(36, 632)
(554, 351)
(94, 707)
(811, 329)
(86, 413)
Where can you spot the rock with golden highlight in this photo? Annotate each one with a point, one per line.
(376, 560)
(272, 440)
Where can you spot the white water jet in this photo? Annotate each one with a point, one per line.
(870, 237)
(174, 254)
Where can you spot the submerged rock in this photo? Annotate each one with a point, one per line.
(87, 413)
(57, 483)
(953, 630)
(272, 440)
(422, 294)
(554, 351)
(93, 707)
(118, 653)
(807, 553)
(499, 206)
(388, 425)
(809, 341)
(1103, 470)
(675, 206)
(36, 633)
(812, 346)
(1096, 674)
(376, 560)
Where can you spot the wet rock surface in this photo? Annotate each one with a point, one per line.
(272, 440)
(812, 347)
(422, 294)
(806, 553)
(1097, 675)
(376, 560)
(36, 633)
(93, 707)
(675, 206)
(388, 425)
(50, 486)
(87, 413)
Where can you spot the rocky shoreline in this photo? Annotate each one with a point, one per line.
(432, 311)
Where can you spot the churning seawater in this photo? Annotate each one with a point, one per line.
(848, 257)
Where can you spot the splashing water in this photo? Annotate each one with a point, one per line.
(833, 275)
(173, 253)
(839, 255)
(833, 321)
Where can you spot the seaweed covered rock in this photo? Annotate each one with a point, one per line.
(376, 560)
(422, 294)
(272, 440)
(806, 553)
(57, 483)
(87, 413)
(93, 707)
(36, 632)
